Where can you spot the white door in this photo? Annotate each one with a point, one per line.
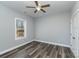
(77, 17)
(75, 33)
(77, 27)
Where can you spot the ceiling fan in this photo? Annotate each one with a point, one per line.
(39, 7)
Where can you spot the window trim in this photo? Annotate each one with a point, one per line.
(25, 23)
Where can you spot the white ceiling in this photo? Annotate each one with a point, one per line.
(55, 7)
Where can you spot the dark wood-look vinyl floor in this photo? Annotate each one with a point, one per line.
(39, 50)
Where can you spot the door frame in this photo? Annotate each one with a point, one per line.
(71, 29)
(71, 22)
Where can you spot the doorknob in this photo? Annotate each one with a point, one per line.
(73, 37)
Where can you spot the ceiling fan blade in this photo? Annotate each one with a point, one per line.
(29, 7)
(35, 11)
(36, 2)
(45, 6)
(43, 10)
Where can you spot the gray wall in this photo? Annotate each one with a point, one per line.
(55, 28)
(7, 28)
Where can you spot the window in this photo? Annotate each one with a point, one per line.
(20, 28)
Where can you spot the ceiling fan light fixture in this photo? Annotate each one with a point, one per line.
(38, 8)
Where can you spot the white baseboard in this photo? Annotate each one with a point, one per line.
(54, 43)
(10, 49)
(31, 41)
